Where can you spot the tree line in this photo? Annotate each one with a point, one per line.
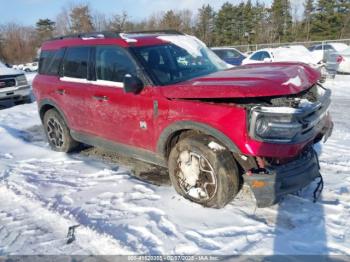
(232, 24)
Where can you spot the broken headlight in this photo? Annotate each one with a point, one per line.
(274, 124)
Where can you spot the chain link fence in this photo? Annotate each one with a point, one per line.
(255, 47)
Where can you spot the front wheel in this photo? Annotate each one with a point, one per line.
(205, 174)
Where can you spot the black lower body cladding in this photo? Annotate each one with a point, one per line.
(285, 179)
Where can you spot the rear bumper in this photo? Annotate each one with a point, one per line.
(285, 179)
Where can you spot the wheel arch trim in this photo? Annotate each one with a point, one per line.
(169, 131)
(49, 102)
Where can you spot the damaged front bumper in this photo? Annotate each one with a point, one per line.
(269, 186)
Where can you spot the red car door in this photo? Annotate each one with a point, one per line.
(118, 116)
(72, 88)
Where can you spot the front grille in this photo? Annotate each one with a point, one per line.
(9, 82)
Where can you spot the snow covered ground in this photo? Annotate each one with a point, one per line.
(42, 193)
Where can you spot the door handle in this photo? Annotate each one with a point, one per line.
(100, 98)
(60, 91)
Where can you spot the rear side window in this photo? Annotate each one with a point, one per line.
(220, 53)
(75, 63)
(44, 61)
(232, 54)
(50, 61)
(113, 63)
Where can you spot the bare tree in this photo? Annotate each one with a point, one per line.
(18, 44)
(63, 23)
(187, 23)
(81, 19)
(100, 21)
(118, 22)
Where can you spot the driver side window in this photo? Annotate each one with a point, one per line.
(264, 55)
(256, 56)
(113, 63)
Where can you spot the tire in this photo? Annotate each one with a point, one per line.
(27, 99)
(222, 182)
(57, 132)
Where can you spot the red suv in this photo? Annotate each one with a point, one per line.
(165, 98)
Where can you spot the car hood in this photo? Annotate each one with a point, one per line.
(4, 71)
(255, 80)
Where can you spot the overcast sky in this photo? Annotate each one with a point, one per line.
(29, 11)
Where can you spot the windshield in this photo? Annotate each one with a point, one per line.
(181, 59)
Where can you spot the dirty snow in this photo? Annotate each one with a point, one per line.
(43, 192)
(215, 146)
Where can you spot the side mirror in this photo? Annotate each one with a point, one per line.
(132, 84)
(267, 60)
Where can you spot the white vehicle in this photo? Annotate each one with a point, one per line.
(13, 85)
(320, 51)
(342, 61)
(282, 54)
(30, 67)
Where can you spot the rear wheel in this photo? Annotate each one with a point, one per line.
(205, 175)
(58, 133)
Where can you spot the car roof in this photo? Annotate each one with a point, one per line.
(126, 39)
(269, 50)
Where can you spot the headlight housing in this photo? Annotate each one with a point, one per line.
(278, 126)
(21, 80)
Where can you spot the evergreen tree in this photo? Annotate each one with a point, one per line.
(224, 25)
(308, 12)
(45, 29)
(326, 23)
(205, 24)
(281, 20)
(262, 24)
(249, 20)
(171, 20)
(344, 16)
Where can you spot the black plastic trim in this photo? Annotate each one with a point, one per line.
(190, 125)
(137, 153)
(49, 102)
(284, 179)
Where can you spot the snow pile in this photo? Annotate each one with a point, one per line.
(44, 192)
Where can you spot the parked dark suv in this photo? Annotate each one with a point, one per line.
(165, 98)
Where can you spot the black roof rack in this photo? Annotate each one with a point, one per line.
(104, 34)
(167, 31)
(111, 34)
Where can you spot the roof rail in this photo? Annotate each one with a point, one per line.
(104, 34)
(111, 34)
(167, 31)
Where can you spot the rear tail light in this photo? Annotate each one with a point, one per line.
(340, 59)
